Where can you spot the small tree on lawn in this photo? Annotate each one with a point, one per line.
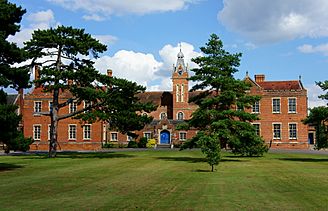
(217, 119)
(10, 76)
(318, 118)
(65, 55)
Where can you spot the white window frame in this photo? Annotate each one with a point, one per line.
(181, 134)
(180, 112)
(289, 130)
(86, 104)
(72, 107)
(273, 111)
(85, 137)
(129, 138)
(289, 106)
(37, 109)
(35, 138)
(115, 134)
(50, 105)
(259, 124)
(273, 130)
(49, 137)
(256, 105)
(69, 132)
(147, 135)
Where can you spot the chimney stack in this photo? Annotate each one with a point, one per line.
(110, 73)
(259, 78)
(37, 75)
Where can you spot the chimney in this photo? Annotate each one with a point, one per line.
(259, 78)
(37, 75)
(110, 73)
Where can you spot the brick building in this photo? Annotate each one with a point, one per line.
(282, 107)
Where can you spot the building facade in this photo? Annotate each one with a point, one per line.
(282, 108)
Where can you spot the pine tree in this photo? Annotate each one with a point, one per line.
(10, 76)
(65, 55)
(217, 119)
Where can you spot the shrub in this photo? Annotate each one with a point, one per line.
(132, 144)
(107, 145)
(151, 143)
(20, 143)
(142, 142)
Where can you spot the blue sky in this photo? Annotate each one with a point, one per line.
(282, 39)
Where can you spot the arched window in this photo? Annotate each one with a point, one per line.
(182, 94)
(162, 115)
(177, 93)
(180, 116)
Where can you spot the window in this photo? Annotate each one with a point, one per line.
(87, 104)
(147, 135)
(72, 107)
(257, 129)
(276, 105)
(72, 132)
(177, 93)
(113, 136)
(162, 115)
(291, 105)
(50, 105)
(182, 136)
(256, 107)
(37, 106)
(49, 135)
(277, 131)
(292, 131)
(130, 138)
(37, 132)
(87, 132)
(180, 116)
(182, 95)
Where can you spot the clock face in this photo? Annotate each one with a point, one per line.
(180, 72)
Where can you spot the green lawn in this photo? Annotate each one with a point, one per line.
(163, 180)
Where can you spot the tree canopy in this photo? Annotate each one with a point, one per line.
(65, 55)
(217, 118)
(318, 118)
(10, 76)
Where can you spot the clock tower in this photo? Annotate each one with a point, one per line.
(180, 89)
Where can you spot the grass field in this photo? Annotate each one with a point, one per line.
(163, 180)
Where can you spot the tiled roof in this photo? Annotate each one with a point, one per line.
(280, 85)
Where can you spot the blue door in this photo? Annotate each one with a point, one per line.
(165, 137)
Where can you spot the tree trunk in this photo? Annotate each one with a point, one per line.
(212, 168)
(54, 125)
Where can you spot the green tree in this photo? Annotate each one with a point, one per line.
(10, 76)
(217, 119)
(318, 117)
(65, 55)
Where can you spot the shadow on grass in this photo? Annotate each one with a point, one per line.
(195, 160)
(305, 159)
(75, 155)
(8, 167)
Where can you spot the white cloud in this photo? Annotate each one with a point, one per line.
(134, 66)
(98, 9)
(306, 48)
(93, 17)
(169, 55)
(144, 68)
(273, 21)
(106, 39)
(313, 92)
(38, 20)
